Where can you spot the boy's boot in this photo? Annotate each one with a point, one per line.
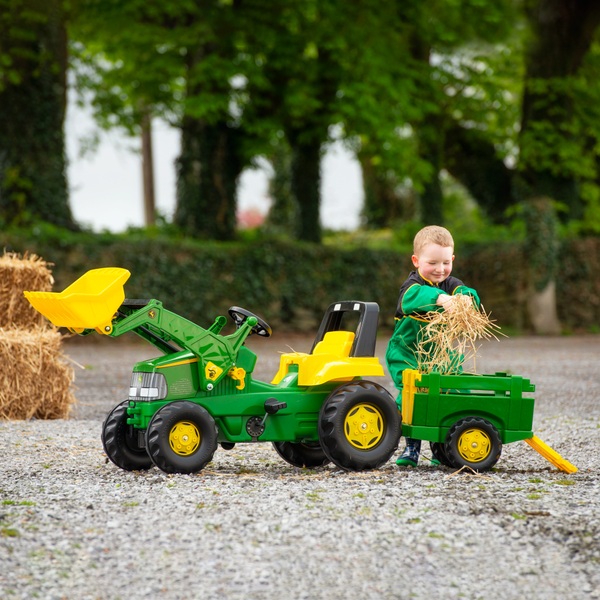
(410, 456)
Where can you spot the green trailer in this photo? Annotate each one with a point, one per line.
(467, 418)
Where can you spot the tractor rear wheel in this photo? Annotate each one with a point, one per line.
(303, 455)
(359, 426)
(473, 443)
(181, 437)
(120, 441)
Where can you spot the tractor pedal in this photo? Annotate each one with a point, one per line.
(272, 406)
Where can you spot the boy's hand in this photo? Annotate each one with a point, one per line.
(449, 302)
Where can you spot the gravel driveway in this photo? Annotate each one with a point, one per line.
(250, 526)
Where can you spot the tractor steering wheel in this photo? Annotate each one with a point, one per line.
(240, 316)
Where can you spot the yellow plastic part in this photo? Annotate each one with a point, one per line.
(184, 438)
(551, 455)
(238, 374)
(364, 426)
(474, 445)
(329, 362)
(335, 342)
(88, 303)
(410, 379)
(212, 372)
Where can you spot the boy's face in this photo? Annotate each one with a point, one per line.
(434, 262)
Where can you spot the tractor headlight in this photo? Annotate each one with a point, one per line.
(147, 386)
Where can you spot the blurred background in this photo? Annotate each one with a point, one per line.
(288, 151)
(97, 200)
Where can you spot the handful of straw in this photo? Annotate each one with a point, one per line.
(450, 337)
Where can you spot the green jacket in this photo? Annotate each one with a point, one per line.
(417, 297)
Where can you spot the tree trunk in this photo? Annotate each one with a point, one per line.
(541, 308)
(431, 202)
(33, 183)
(383, 205)
(472, 159)
(541, 254)
(283, 217)
(207, 174)
(431, 199)
(562, 33)
(148, 171)
(306, 184)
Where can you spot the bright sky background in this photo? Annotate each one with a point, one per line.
(106, 186)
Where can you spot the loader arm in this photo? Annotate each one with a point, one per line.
(96, 302)
(216, 353)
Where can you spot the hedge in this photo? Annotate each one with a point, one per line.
(291, 284)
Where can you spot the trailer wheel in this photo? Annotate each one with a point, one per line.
(474, 443)
(359, 426)
(302, 454)
(439, 453)
(181, 438)
(120, 441)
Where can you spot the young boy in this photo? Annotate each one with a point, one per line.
(429, 288)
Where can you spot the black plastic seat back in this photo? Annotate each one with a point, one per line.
(364, 320)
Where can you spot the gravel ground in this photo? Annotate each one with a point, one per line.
(74, 526)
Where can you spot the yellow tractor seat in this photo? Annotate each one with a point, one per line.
(330, 360)
(335, 342)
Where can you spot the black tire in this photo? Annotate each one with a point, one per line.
(181, 438)
(301, 454)
(120, 441)
(438, 450)
(359, 426)
(473, 443)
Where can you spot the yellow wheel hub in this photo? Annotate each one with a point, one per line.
(184, 438)
(474, 445)
(364, 426)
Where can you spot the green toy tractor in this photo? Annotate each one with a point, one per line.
(201, 391)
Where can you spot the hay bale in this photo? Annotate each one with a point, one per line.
(36, 382)
(18, 274)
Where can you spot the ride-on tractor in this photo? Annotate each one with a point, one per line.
(201, 391)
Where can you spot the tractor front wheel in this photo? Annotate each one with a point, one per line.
(302, 454)
(359, 426)
(181, 437)
(120, 441)
(473, 443)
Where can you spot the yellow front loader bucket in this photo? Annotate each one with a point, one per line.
(551, 455)
(88, 303)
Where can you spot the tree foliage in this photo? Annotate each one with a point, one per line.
(502, 96)
(33, 50)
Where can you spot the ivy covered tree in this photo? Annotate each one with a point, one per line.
(212, 146)
(301, 51)
(456, 71)
(554, 148)
(180, 61)
(33, 66)
(555, 152)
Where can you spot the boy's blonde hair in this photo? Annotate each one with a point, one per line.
(432, 234)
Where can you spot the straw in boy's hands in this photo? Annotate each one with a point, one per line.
(450, 336)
